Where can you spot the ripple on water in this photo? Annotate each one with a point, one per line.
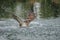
(34, 32)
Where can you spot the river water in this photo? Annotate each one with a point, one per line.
(42, 29)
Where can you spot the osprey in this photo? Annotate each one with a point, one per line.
(30, 17)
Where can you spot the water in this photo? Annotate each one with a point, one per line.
(37, 7)
(43, 29)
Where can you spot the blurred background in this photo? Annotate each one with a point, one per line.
(42, 8)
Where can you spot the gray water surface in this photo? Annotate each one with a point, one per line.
(37, 30)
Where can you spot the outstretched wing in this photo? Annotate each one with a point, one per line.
(19, 20)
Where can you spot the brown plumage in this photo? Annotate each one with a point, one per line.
(30, 17)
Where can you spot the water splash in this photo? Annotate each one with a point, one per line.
(37, 9)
